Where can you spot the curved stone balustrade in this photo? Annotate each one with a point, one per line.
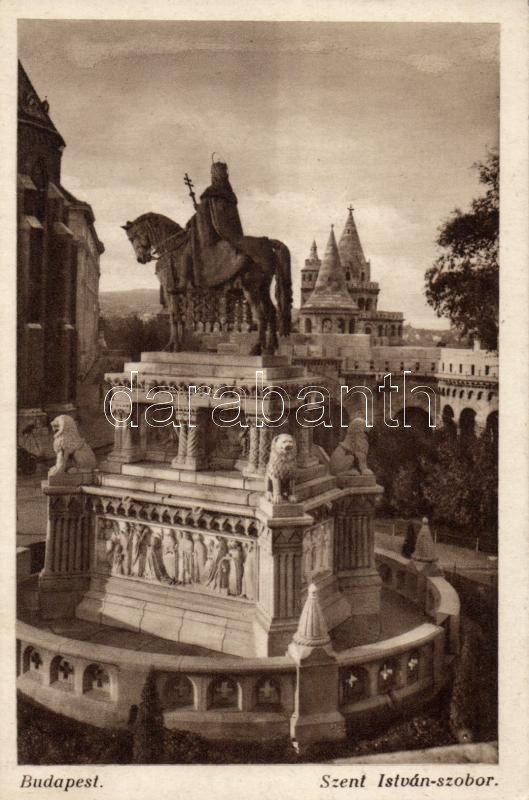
(223, 697)
(433, 593)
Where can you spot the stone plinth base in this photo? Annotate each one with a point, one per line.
(271, 637)
(336, 609)
(68, 480)
(362, 592)
(58, 595)
(178, 615)
(316, 717)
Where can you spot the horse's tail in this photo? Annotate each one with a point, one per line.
(283, 286)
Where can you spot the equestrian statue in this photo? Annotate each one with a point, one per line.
(205, 267)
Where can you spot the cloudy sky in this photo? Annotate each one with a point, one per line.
(309, 117)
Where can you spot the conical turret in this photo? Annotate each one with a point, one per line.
(350, 248)
(424, 545)
(331, 287)
(312, 628)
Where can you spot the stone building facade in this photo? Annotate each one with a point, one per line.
(57, 274)
(346, 270)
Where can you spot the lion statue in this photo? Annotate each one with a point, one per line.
(350, 456)
(73, 453)
(281, 470)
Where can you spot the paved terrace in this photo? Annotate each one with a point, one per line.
(397, 616)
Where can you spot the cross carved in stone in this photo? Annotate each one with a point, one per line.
(225, 690)
(352, 679)
(181, 689)
(412, 663)
(65, 669)
(386, 672)
(101, 677)
(267, 692)
(35, 659)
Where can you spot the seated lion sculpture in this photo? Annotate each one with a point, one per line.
(281, 470)
(73, 453)
(350, 456)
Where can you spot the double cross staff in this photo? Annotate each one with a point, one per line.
(189, 183)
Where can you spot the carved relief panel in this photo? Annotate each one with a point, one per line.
(179, 557)
(317, 550)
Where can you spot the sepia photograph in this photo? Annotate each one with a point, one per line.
(258, 357)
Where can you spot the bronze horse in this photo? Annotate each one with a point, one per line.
(154, 236)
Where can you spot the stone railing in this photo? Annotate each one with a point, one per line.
(229, 697)
(432, 593)
(386, 674)
(102, 685)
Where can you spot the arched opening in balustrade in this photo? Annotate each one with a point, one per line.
(467, 425)
(351, 326)
(354, 682)
(368, 305)
(267, 694)
(326, 325)
(393, 330)
(32, 662)
(176, 691)
(308, 325)
(223, 692)
(412, 667)
(62, 673)
(361, 303)
(380, 331)
(340, 325)
(96, 682)
(387, 676)
(368, 329)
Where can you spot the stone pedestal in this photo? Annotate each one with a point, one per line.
(196, 553)
(354, 558)
(69, 545)
(280, 576)
(316, 716)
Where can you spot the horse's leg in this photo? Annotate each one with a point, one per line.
(271, 319)
(253, 297)
(174, 342)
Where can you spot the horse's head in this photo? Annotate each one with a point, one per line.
(140, 236)
(149, 233)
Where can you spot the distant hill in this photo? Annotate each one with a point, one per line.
(429, 337)
(131, 301)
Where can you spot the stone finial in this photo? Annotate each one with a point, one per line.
(424, 544)
(312, 628)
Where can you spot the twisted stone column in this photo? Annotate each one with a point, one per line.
(253, 453)
(265, 443)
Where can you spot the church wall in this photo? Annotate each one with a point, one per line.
(49, 257)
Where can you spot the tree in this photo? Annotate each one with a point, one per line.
(463, 282)
(148, 745)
